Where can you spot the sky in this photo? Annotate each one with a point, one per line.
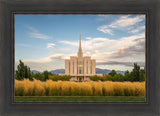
(43, 42)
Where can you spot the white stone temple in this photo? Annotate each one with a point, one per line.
(80, 68)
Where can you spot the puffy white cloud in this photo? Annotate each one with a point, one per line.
(107, 52)
(123, 23)
(129, 49)
(126, 21)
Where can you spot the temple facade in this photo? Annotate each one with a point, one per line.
(80, 68)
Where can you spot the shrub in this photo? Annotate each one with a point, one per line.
(58, 77)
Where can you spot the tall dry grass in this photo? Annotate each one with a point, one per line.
(67, 88)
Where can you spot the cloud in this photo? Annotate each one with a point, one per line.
(47, 63)
(137, 49)
(69, 43)
(123, 51)
(141, 64)
(104, 17)
(126, 21)
(130, 49)
(105, 29)
(137, 29)
(34, 33)
(47, 59)
(123, 23)
(88, 38)
(39, 35)
(57, 56)
(50, 45)
(31, 28)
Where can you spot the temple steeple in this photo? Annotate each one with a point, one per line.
(80, 42)
(80, 53)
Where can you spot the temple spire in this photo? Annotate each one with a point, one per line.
(80, 53)
(80, 42)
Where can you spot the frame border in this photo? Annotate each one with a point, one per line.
(7, 107)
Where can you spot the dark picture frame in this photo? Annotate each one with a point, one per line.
(148, 7)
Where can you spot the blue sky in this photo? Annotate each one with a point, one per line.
(43, 42)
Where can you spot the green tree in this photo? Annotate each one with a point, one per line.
(135, 73)
(23, 71)
(118, 77)
(112, 73)
(109, 77)
(126, 76)
(39, 76)
(142, 75)
(46, 74)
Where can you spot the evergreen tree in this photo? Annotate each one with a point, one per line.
(135, 74)
(22, 71)
(142, 75)
(127, 76)
(46, 74)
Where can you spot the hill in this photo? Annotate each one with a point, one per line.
(98, 71)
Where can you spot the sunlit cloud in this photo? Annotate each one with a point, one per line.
(123, 23)
(130, 49)
(106, 51)
(117, 52)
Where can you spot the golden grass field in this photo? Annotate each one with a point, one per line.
(67, 88)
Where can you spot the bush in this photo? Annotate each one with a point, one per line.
(38, 76)
(95, 78)
(59, 77)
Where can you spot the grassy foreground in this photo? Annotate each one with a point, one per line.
(118, 98)
(68, 88)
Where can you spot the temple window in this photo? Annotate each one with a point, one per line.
(80, 72)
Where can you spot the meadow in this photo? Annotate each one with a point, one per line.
(67, 88)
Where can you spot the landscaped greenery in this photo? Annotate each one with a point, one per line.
(136, 74)
(23, 72)
(80, 98)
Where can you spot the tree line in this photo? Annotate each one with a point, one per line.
(23, 72)
(136, 74)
